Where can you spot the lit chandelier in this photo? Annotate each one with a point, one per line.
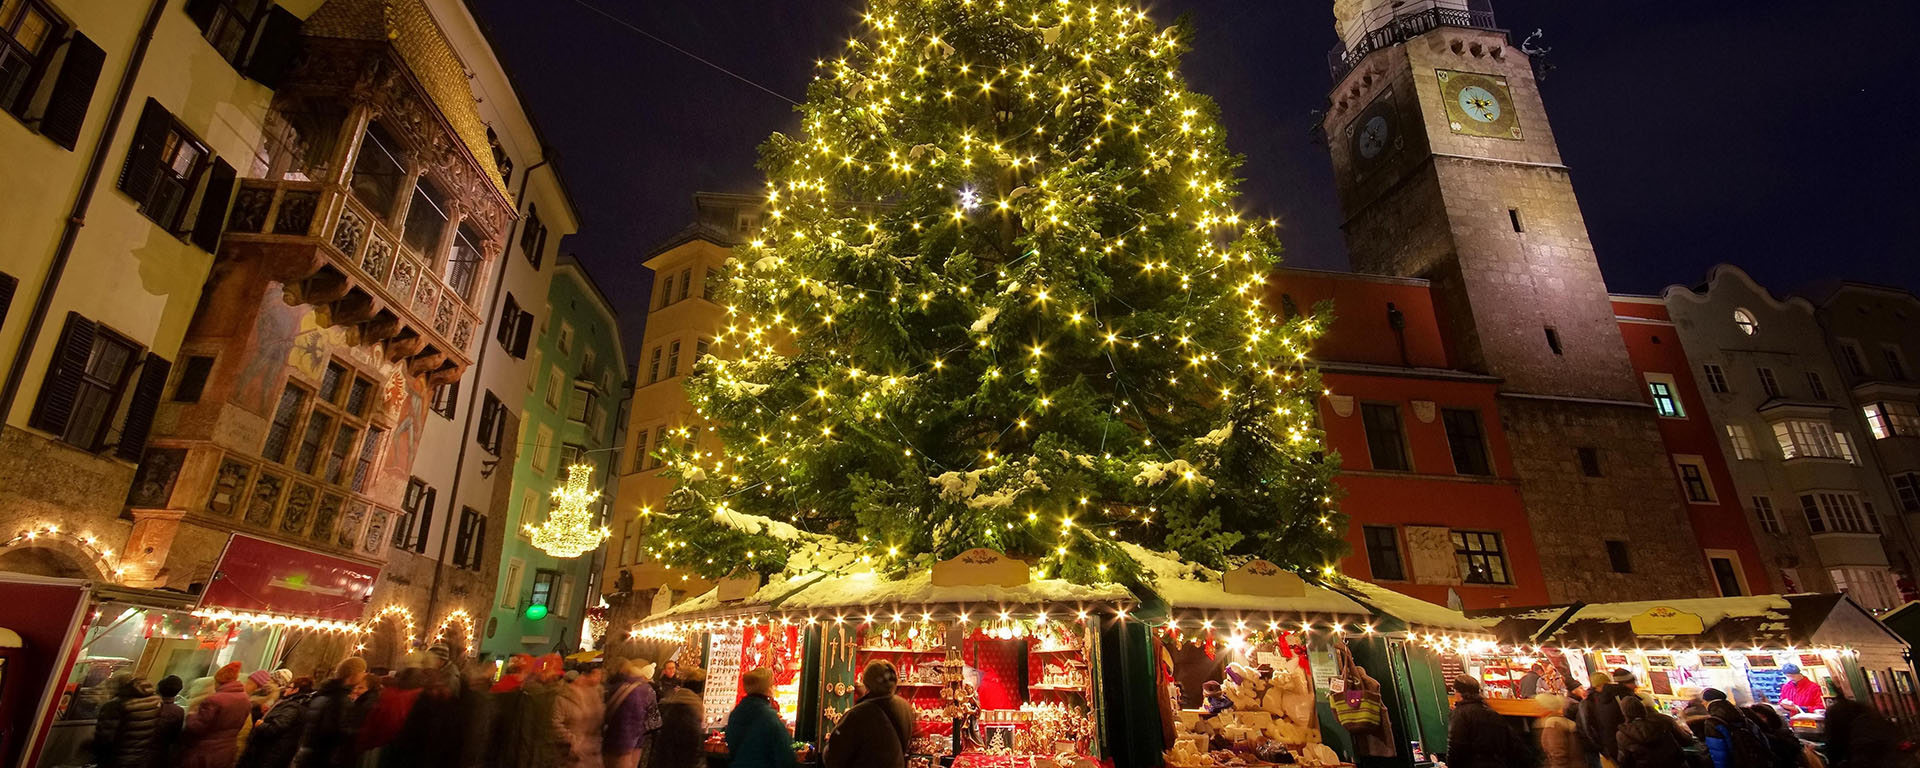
(569, 529)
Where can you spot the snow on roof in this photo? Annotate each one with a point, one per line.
(1189, 585)
(1711, 610)
(866, 589)
(1412, 610)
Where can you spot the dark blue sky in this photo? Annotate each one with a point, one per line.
(1774, 135)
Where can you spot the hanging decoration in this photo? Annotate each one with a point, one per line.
(569, 530)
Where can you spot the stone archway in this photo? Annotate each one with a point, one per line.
(387, 638)
(48, 559)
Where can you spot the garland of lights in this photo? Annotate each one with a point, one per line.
(569, 530)
(465, 620)
(367, 627)
(102, 557)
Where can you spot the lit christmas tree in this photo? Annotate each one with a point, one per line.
(1004, 300)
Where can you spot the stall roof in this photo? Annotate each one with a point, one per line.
(1416, 613)
(1757, 621)
(1186, 585)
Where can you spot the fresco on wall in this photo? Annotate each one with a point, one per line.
(406, 399)
(275, 331)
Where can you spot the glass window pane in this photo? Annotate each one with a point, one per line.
(426, 220)
(377, 172)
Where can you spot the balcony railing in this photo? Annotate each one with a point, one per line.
(361, 247)
(1391, 29)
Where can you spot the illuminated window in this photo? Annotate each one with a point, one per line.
(1665, 402)
(1481, 557)
(1743, 320)
(1742, 441)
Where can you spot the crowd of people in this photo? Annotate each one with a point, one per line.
(432, 713)
(1616, 724)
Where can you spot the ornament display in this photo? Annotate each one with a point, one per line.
(569, 530)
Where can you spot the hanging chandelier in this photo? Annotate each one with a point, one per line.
(569, 530)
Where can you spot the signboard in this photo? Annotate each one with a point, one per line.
(723, 674)
(1713, 661)
(980, 567)
(739, 587)
(1451, 666)
(1659, 661)
(1661, 620)
(1263, 579)
(1762, 661)
(262, 576)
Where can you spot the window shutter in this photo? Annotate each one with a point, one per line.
(143, 156)
(464, 540)
(7, 285)
(522, 335)
(275, 48)
(509, 312)
(424, 521)
(141, 407)
(73, 91)
(62, 386)
(201, 11)
(213, 207)
(486, 420)
(477, 555)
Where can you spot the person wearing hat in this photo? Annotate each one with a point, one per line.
(756, 736)
(276, 732)
(1560, 741)
(632, 712)
(1600, 713)
(212, 732)
(1799, 693)
(682, 730)
(1477, 736)
(877, 730)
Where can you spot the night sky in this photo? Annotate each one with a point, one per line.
(1773, 135)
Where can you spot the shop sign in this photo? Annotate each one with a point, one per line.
(1659, 661)
(1812, 660)
(1713, 661)
(739, 586)
(980, 567)
(1264, 579)
(1661, 620)
(261, 576)
(1762, 661)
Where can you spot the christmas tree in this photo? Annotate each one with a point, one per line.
(1004, 299)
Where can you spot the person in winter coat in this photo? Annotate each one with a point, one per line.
(212, 732)
(632, 712)
(876, 731)
(389, 712)
(579, 714)
(523, 719)
(678, 743)
(328, 729)
(756, 736)
(197, 691)
(1600, 713)
(1649, 739)
(1560, 742)
(172, 719)
(1858, 736)
(1782, 744)
(276, 737)
(1477, 737)
(1738, 743)
(126, 733)
(424, 738)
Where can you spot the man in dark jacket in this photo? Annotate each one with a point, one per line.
(127, 727)
(332, 719)
(1649, 739)
(276, 738)
(173, 718)
(878, 730)
(1477, 736)
(756, 737)
(1858, 736)
(1600, 713)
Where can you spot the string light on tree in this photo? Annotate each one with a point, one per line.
(569, 530)
(1003, 281)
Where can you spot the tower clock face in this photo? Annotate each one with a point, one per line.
(1478, 105)
(1374, 133)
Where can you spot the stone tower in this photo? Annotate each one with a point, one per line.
(1447, 170)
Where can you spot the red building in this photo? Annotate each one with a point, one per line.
(1699, 468)
(1431, 492)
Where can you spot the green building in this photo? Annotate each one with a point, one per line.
(569, 417)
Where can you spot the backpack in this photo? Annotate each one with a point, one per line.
(1748, 745)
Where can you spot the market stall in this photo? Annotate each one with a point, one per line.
(998, 666)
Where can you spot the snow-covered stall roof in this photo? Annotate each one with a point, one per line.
(1185, 585)
(1764, 621)
(1418, 614)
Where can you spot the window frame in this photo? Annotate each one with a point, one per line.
(1619, 556)
(174, 136)
(1906, 491)
(113, 394)
(1767, 516)
(1806, 439)
(1817, 387)
(1741, 439)
(1471, 545)
(1475, 442)
(1695, 484)
(1376, 433)
(1382, 546)
(1665, 396)
(1769, 383)
(1896, 362)
(1716, 378)
(38, 61)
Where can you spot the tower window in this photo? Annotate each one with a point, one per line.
(1745, 322)
(1589, 460)
(1513, 215)
(1619, 557)
(1553, 340)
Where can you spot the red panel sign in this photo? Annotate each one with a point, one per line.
(263, 576)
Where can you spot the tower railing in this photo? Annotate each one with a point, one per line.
(1387, 31)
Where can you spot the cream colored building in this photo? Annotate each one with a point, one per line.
(682, 319)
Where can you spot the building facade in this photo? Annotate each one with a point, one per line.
(1447, 171)
(297, 237)
(1432, 498)
(1796, 445)
(568, 423)
(682, 319)
(1873, 336)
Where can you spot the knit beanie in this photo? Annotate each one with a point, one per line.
(227, 674)
(1713, 694)
(1623, 676)
(283, 677)
(880, 678)
(261, 678)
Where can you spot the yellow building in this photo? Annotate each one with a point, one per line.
(682, 319)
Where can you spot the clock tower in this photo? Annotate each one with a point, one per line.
(1447, 170)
